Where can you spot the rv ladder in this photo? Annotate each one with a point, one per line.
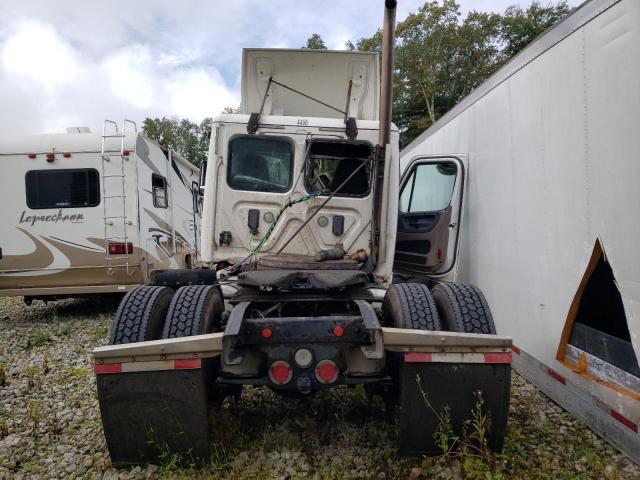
(115, 260)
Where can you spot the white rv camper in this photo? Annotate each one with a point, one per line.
(86, 213)
(546, 224)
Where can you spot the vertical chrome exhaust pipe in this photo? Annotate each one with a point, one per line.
(386, 89)
(378, 243)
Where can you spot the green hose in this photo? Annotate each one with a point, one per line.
(264, 239)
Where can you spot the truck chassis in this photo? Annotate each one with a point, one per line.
(295, 332)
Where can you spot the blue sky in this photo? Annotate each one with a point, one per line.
(74, 63)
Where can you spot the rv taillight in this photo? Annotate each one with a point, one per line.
(66, 154)
(51, 157)
(125, 153)
(120, 248)
(31, 155)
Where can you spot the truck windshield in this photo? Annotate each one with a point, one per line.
(331, 163)
(260, 164)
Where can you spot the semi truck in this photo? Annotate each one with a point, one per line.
(302, 216)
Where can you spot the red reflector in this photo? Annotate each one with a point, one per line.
(66, 154)
(50, 157)
(515, 349)
(120, 249)
(557, 376)
(439, 254)
(416, 357)
(497, 357)
(266, 332)
(625, 421)
(187, 363)
(280, 372)
(326, 371)
(31, 155)
(125, 153)
(338, 331)
(107, 368)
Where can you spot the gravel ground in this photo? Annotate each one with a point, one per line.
(50, 422)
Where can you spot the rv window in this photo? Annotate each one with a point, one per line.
(260, 164)
(429, 188)
(331, 163)
(159, 189)
(71, 188)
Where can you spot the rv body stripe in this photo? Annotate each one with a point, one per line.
(93, 249)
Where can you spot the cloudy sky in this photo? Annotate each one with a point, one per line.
(75, 62)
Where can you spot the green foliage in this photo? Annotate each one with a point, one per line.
(38, 338)
(189, 139)
(441, 57)
(315, 42)
(519, 27)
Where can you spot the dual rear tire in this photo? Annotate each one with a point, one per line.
(147, 414)
(422, 391)
(150, 312)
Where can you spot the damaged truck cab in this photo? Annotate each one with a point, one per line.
(301, 202)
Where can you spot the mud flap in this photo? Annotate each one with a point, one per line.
(452, 385)
(153, 416)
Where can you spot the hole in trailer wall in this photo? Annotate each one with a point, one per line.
(597, 323)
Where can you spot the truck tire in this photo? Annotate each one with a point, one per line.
(463, 308)
(194, 310)
(140, 315)
(410, 305)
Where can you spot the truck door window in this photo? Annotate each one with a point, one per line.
(159, 189)
(261, 164)
(68, 188)
(429, 188)
(330, 163)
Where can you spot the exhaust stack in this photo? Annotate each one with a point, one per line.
(386, 89)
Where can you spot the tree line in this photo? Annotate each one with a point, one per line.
(440, 57)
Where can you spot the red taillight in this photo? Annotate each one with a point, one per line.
(266, 332)
(125, 153)
(120, 248)
(338, 331)
(326, 371)
(66, 155)
(31, 155)
(50, 157)
(280, 372)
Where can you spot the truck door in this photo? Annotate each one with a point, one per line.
(430, 206)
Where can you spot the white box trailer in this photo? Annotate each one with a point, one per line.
(545, 226)
(87, 213)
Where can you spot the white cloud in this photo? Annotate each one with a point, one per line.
(37, 51)
(131, 76)
(199, 93)
(73, 62)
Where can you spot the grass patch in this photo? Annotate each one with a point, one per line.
(38, 338)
